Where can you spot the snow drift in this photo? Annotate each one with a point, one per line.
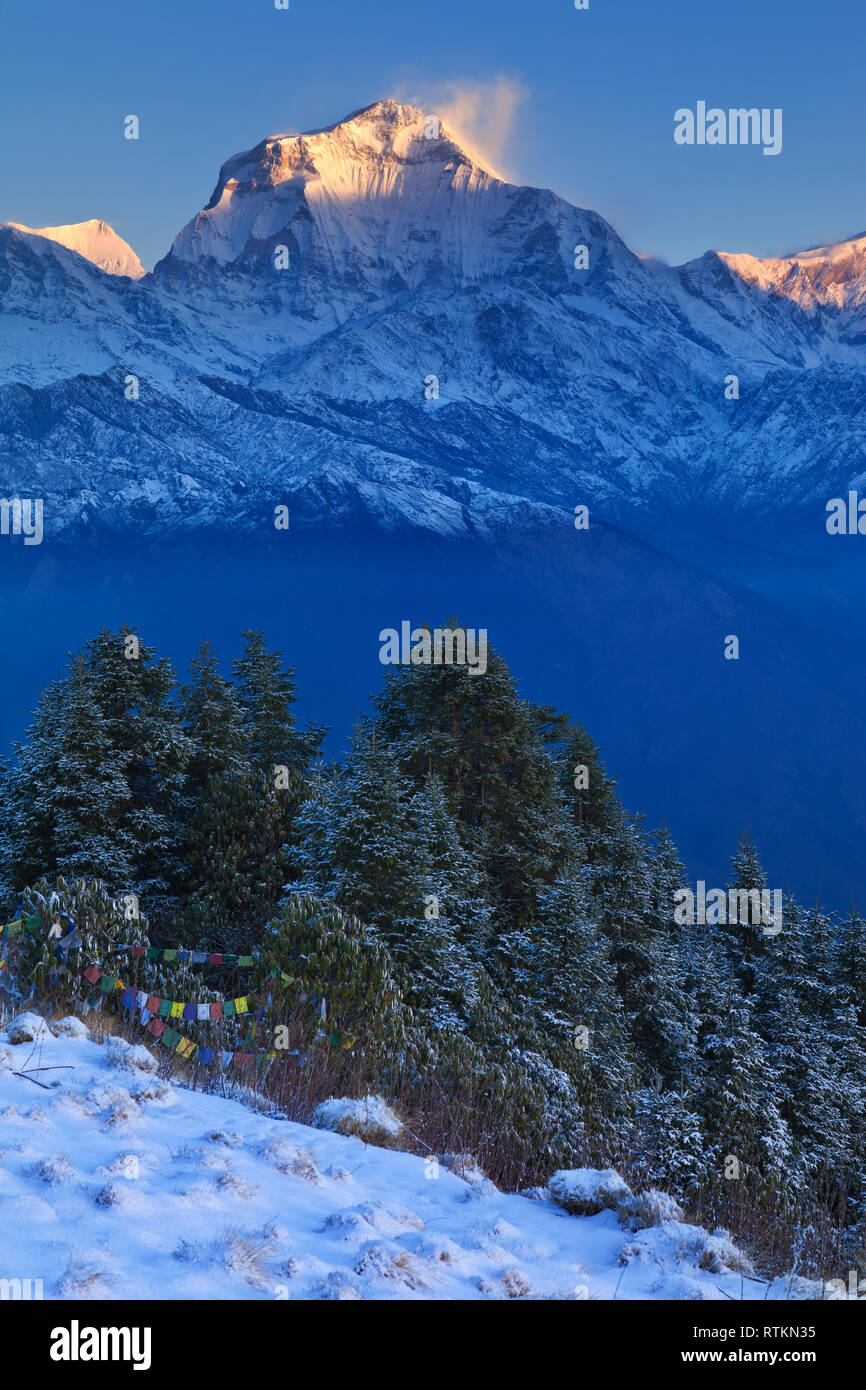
(116, 1184)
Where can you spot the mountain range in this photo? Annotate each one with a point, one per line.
(367, 323)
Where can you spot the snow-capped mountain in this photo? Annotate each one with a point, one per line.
(831, 276)
(366, 321)
(96, 242)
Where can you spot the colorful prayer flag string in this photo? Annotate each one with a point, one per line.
(154, 1006)
(169, 954)
(22, 924)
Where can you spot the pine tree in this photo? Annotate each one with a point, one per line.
(213, 719)
(446, 948)
(7, 891)
(673, 1016)
(748, 871)
(822, 997)
(69, 794)
(135, 695)
(489, 749)
(356, 842)
(218, 767)
(850, 965)
(740, 1101)
(801, 1058)
(785, 954)
(781, 974)
(450, 871)
(91, 794)
(571, 984)
(846, 1103)
(395, 860)
(265, 689)
(236, 860)
(589, 792)
(31, 813)
(566, 972)
(671, 1141)
(636, 916)
(743, 938)
(667, 879)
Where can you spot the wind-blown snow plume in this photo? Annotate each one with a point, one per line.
(484, 114)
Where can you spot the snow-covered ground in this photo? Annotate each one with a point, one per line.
(116, 1184)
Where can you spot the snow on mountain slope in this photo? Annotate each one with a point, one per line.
(95, 241)
(816, 300)
(340, 175)
(430, 342)
(828, 275)
(115, 1183)
(63, 318)
(376, 218)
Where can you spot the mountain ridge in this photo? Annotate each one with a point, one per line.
(95, 241)
(494, 340)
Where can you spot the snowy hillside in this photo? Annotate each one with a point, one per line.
(117, 1184)
(367, 322)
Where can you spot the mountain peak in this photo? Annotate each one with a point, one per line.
(96, 241)
(832, 276)
(389, 152)
(385, 130)
(384, 113)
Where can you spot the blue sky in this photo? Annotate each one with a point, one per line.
(597, 89)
